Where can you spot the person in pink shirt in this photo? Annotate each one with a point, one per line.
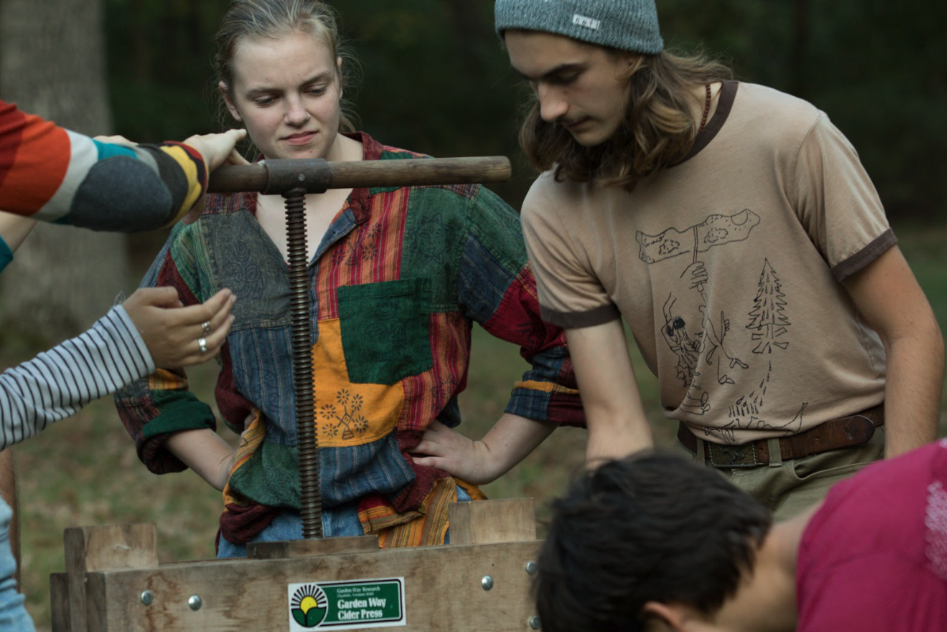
(657, 542)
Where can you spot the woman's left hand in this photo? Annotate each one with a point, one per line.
(446, 449)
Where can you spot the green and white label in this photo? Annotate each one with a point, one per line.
(362, 603)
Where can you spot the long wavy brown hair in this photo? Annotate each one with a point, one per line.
(658, 129)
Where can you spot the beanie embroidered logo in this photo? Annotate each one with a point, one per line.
(589, 23)
(630, 25)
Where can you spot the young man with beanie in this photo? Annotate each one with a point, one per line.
(656, 542)
(734, 229)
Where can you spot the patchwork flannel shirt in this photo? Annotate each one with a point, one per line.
(395, 285)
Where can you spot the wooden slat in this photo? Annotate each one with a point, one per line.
(443, 590)
(59, 601)
(508, 520)
(111, 547)
(307, 548)
(101, 548)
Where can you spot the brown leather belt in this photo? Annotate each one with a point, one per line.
(834, 434)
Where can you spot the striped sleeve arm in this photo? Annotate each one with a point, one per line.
(59, 382)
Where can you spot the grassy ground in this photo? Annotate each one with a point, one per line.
(84, 471)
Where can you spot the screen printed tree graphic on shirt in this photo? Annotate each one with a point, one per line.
(769, 323)
(768, 318)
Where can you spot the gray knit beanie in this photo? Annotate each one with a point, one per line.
(623, 24)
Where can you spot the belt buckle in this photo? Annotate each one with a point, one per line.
(734, 456)
(858, 433)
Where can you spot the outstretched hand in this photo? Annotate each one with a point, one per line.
(172, 332)
(216, 149)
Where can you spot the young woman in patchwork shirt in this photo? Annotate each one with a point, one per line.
(397, 276)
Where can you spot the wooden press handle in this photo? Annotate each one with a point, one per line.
(317, 175)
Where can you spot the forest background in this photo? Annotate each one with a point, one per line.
(433, 78)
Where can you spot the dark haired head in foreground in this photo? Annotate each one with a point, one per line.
(656, 542)
(643, 530)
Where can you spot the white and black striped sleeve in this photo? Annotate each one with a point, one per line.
(58, 382)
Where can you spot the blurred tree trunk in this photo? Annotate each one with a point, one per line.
(52, 63)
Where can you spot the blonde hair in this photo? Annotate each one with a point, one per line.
(261, 19)
(658, 129)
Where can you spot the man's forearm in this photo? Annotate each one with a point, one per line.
(614, 413)
(887, 295)
(615, 437)
(913, 393)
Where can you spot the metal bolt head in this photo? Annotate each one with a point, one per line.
(534, 623)
(195, 603)
(302, 177)
(486, 582)
(531, 568)
(147, 597)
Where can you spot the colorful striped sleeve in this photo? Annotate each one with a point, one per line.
(55, 175)
(58, 382)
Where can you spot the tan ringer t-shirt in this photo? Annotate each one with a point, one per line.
(727, 268)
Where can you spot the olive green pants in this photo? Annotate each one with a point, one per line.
(787, 488)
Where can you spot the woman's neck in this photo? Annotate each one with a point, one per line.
(344, 149)
(320, 208)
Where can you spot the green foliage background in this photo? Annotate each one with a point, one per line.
(434, 77)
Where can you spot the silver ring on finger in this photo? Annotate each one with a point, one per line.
(206, 327)
(202, 344)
